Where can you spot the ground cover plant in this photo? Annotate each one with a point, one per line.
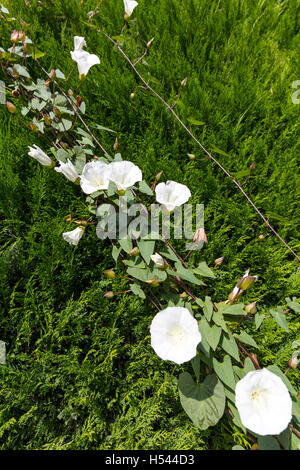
(83, 367)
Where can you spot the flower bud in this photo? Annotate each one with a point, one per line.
(56, 112)
(47, 82)
(70, 92)
(47, 120)
(14, 36)
(109, 273)
(134, 252)
(183, 82)
(183, 295)
(246, 282)
(109, 294)
(251, 308)
(15, 93)
(293, 362)
(200, 235)
(22, 36)
(81, 222)
(78, 101)
(11, 107)
(52, 75)
(64, 144)
(15, 73)
(153, 282)
(149, 43)
(261, 238)
(131, 96)
(191, 156)
(121, 192)
(158, 261)
(116, 144)
(24, 25)
(234, 295)
(158, 176)
(219, 261)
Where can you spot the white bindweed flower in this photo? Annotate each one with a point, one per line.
(172, 194)
(129, 6)
(94, 177)
(68, 170)
(74, 236)
(158, 260)
(175, 334)
(263, 402)
(84, 59)
(79, 43)
(124, 174)
(40, 156)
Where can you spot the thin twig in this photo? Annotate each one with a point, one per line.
(200, 145)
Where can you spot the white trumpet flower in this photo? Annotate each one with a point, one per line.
(40, 156)
(84, 59)
(74, 236)
(263, 402)
(79, 43)
(175, 334)
(129, 6)
(172, 194)
(124, 174)
(68, 170)
(94, 177)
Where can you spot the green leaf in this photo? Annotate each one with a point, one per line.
(204, 403)
(126, 244)
(195, 122)
(116, 252)
(21, 70)
(101, 128)
(273, 368)
(229, 345)
(208, 308)
(60, 74)
(146, 248)
(185, 274)
(196, 366)
(212, 334)
(137, 290)
(236, 309)
(204, 270)
(293, 304)
(285, 438)
(279, 317)
(144, 188)
(259, 317)
(34, 51)
(218, 319)
(295, 442)
(243, 337)
(267, 443)
(237, 447)
(224, 371)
